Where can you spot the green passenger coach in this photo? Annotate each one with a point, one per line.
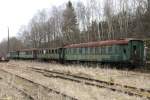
(122, 51)
(111, 51)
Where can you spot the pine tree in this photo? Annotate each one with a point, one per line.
(70, 26)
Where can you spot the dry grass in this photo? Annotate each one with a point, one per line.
(38, 92)
(7, 92)
(80, 91)
(123, 77)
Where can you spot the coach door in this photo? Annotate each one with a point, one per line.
(34, 54)
(136, 51)
(61, 54)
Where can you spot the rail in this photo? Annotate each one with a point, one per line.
(97, 83)
(44, 87)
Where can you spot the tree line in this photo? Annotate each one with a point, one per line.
(78, 22)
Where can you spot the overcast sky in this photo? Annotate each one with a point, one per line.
(15, 13)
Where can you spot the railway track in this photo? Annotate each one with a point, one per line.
(22, 91)
(132, 91)
(44, 87)
(26, 94)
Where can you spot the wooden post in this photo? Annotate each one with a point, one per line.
(8, 42)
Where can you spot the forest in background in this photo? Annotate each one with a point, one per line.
(78, 22)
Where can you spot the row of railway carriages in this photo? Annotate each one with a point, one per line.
(124, 51)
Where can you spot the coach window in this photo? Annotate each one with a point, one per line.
(99, 50)
(93, 50)
(134, 50)
(89, 51)
(76, 50)
(102, 50)
(72, 51)
(96, 51)
(56, 51)
(68, 50)
(86, 50)
(109, 50)
(80, 51)
(124, 50)
(44, 51)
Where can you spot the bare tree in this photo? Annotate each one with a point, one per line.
(108, 12)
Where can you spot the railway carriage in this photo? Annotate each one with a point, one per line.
(48, 53)
(28, 54)
(128, 51)
(13, 55)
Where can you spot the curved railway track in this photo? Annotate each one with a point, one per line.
(44, 87)
(132, 91)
